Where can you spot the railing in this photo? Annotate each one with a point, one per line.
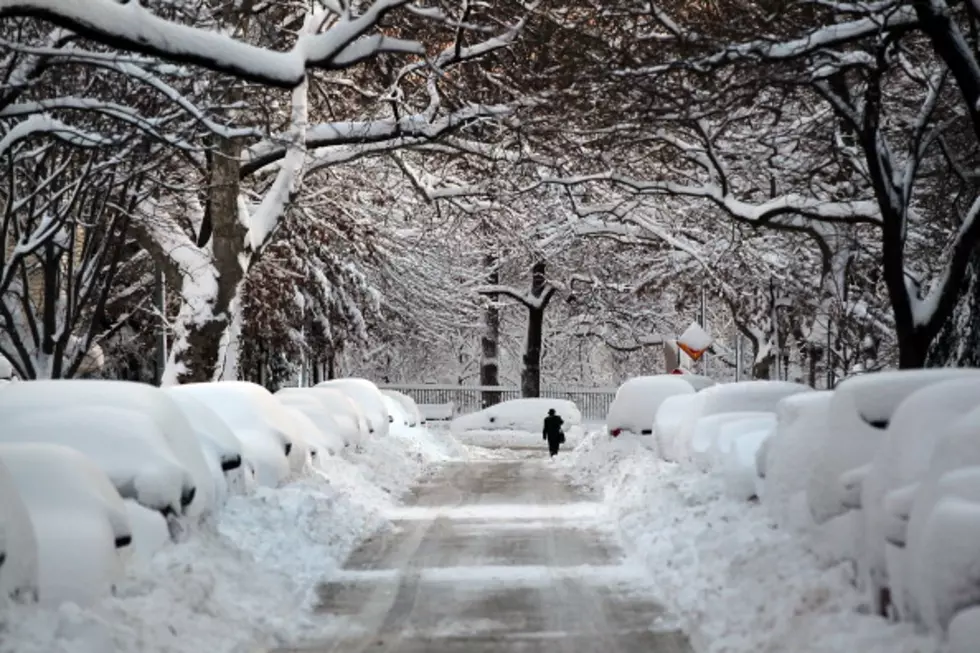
(592, 402)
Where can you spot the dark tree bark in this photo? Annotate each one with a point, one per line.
(536, 301)
(490, 342)
(531, 372)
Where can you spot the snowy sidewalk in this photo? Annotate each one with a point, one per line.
(495, 555)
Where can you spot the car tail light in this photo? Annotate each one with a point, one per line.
(615, 432)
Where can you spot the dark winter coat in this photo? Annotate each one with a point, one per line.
(552, 428)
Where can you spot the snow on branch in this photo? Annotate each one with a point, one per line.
(130, 26)
(44, 124)
(528, 299)
(357, 132)
(829, 36)
(787, 211)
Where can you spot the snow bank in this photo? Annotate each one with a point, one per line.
(637, 400)
(738, 583)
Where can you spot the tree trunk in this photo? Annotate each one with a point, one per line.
(531, 372)
(958, 342)
(490, 342)
(202, 356)
(913, 348)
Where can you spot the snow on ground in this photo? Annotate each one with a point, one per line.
(246, 582)
(738, 583)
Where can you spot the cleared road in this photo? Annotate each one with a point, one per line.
(495, 556)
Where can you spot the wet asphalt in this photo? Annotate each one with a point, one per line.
(501, 555)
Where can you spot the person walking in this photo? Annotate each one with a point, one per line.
(552, 431)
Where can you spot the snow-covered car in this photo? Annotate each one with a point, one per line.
(259, 421)
(790, 456)
(517, 423)
(315, 424)
(319, 444)
(964, 631)
(697, 381)
(857, 417)
(954, 470)
(408, 406)
(78, 518)
(151, 533)
(741, 397)
(40, 397)
(944, 563)
(368, 398)
(737, 459)
(352, 424)
(127, 446)
(668, 424)
(399, 418)
(901, 459)
(222, 450)
(713, 435)
(635, 405)
(18, 545)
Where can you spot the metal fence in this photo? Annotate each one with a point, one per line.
(592, 402)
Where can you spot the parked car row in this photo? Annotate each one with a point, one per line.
(883, 471)
(93, 473)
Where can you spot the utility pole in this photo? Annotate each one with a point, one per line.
(830, 355)
(704, 325)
